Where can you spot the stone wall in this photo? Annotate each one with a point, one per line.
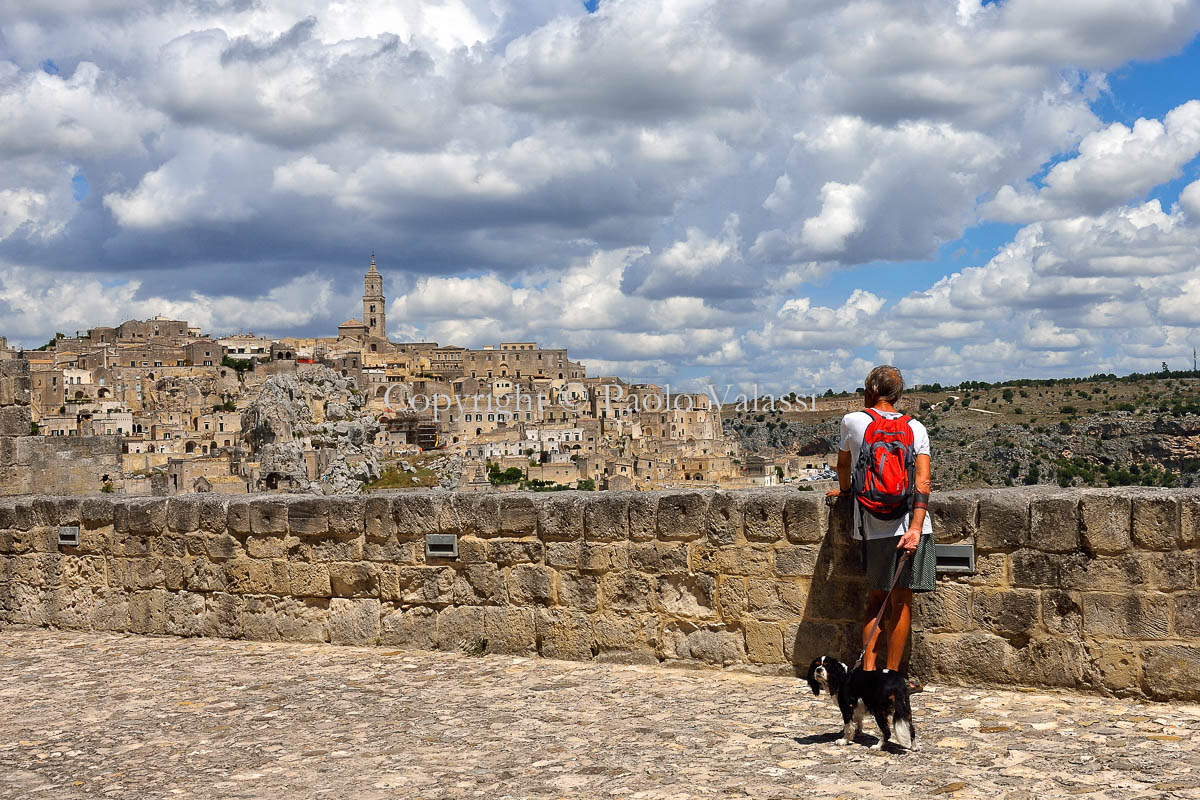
(1089, 589)
(34, 463)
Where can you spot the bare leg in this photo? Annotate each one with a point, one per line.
(898, 623)
(874, 601)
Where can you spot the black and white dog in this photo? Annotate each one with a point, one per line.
(881, 693)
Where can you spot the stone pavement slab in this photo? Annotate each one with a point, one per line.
(85, 715)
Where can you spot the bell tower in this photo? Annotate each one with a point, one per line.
(373, 302)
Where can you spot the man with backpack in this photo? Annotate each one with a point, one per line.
(883, 460)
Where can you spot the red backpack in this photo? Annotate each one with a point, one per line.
(885, 472)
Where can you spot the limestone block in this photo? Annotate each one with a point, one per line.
(954, 516)
(603, 557)
(796, 560)
(837, 601)
(643, 515)
(1173, 571)
(518, 515)
(15, 421)
(222, 547)
(1054, 523)
(184, 614)
(1113, 666)
(354, 579)
(256, 576)
(1118, 573)
(578, 591)
(1127, 616)
(724, 519)
(1106, 519)
(308, 517)
(763, 516)
(560, 517)
(1035, 569)
(173, 545)
(628, 591)
(302, 620)
(804, 641)
(266, 546)
(1156, 521)
(1169, 671)
(417, 513)
(222, 615)
(946, 610)
(514, 551)
(1048, 661)
(460, 628)
(213, 513)
(606, 517)
(1187, 615)
(201, 575)
(560, 555)
(733, 598)
(335, 547)
(31, 605)
(1003, 520)
(692, 596)
(71, 608)
(681, 515)
(238, 517)
(394, 552)
(425, 585)
(1007, 611)
(412, 628)
(110, 610)
(626, 638)
(1062, 612)
(764, 642)
(530, 584)
(141, 516)
(258, 618)
(564, 634)
(143, 573)
(1189, 513)
(974, 657)
(510, 630)
(309, 580)
(268, 516)
(470, 550)
(711, 644)
(660, 558)
(479, 584)
(183, 514)
(148, 611)
(465, 514)
(346, 516)
(379, 524)
(354, 621)
(777, 599)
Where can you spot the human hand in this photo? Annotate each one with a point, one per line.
(909, 541)
(833, 493)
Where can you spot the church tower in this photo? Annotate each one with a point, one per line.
(373, 302)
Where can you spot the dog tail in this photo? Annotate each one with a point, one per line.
(902, 727)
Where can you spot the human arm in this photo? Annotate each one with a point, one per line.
(912, 536)
(843, 472)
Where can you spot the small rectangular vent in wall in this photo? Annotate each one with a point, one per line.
(441, 545)
(68, 536)
(956, 558)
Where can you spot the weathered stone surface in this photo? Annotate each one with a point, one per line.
(1112, 666)
(1003, 521)
(954, 516)
(562, 555)
(1012, 612)
(764, 642)
(712, 644)
(1034, 568)
(643, 515)
(606, 518)
(222, 616)
(976, 656)
(346, 516)
(946, 610)
(1062, 612)
(1187, 615)
(354, 579)
(307, 517)
(354, 621)
(776, 600)
(268, 516)
(479, 584)
(514, 551)
(659, 557)
(1054, 523)
(309, 580)
(682, 515)
(805, 517)
(1119, 573)
(96, 512)
(763, 516)
(1170, 670)
(688, 595)
(1156, 521)
(796, 560)
(628, 591)
(184, 614)
(603, 557)
(723, 520)
(434, 585)
(1106, 518)
(565, 634)
(626, 638)
(510, 630)
(560, 517)
(578, 591)
(518, 516)
(415, 514)
(461, 628)
(530, 584)
(413, 628)
(1127, 616)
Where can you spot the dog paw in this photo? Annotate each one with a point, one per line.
(840, 742)
(877, 746)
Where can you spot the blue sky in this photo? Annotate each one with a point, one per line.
(777, 193)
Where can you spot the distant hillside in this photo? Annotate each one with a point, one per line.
(1098, 431)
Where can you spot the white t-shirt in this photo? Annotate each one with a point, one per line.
(854, 426)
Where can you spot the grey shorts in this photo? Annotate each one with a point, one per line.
(919, 574)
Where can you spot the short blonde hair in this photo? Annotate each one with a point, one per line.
(885, 382)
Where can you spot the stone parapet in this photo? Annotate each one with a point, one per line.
(1091, 589)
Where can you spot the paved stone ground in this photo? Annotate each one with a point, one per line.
(98, 715)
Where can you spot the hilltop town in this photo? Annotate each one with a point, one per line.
(160, 407)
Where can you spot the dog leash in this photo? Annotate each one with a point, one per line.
(883, 607)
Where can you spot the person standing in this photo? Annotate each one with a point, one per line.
(885, 539)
